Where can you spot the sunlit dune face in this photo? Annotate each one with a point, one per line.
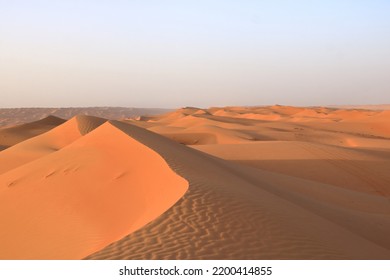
(92, 190)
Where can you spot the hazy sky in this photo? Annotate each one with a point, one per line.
(143, 53)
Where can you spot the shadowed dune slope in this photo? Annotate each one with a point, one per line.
(86, 124)
(91, 192)
(357, 170)
(235, 212)
(13, 135)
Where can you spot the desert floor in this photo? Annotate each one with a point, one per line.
(274, 182)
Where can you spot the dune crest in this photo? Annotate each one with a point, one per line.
(91, 192)
(49, 142)
(326, 197)
(235, 212)
(13, 135)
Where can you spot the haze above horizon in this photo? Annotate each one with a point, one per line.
(193, 53)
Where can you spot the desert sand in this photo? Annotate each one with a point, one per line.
(15, 116)
(274, 182)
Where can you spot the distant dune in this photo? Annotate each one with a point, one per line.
(15, 116)
(13, 135)
(364, 107)
(275, 182)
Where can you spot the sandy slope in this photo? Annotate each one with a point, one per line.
(273, 182)
(232, 211)
(356, 170)
(13, 135)
(92, 191)
(232, 125)
(47, 143)
(15, 116)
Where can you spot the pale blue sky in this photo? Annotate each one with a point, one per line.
(193, 53)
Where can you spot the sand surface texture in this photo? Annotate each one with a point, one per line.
(273, 182)
(77, 188)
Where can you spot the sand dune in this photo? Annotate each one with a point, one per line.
(275, 182)
(338, 127)
(231, 211)
(47, 143)
(15, 116)
(13, 135)
(379, 107)
(91, 192)
(338, 166)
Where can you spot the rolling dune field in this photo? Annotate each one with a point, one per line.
(272, 182)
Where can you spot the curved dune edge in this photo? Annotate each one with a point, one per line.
(48, 142)
(77, 200)
(10, 136)
(234, 212)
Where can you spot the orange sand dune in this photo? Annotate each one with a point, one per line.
(379, 107)
(14, 116)
(276, 182)
(231, 211)
(48, 142)
(13, 135)
(347, 128)
(72, 202)
(337, 166)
